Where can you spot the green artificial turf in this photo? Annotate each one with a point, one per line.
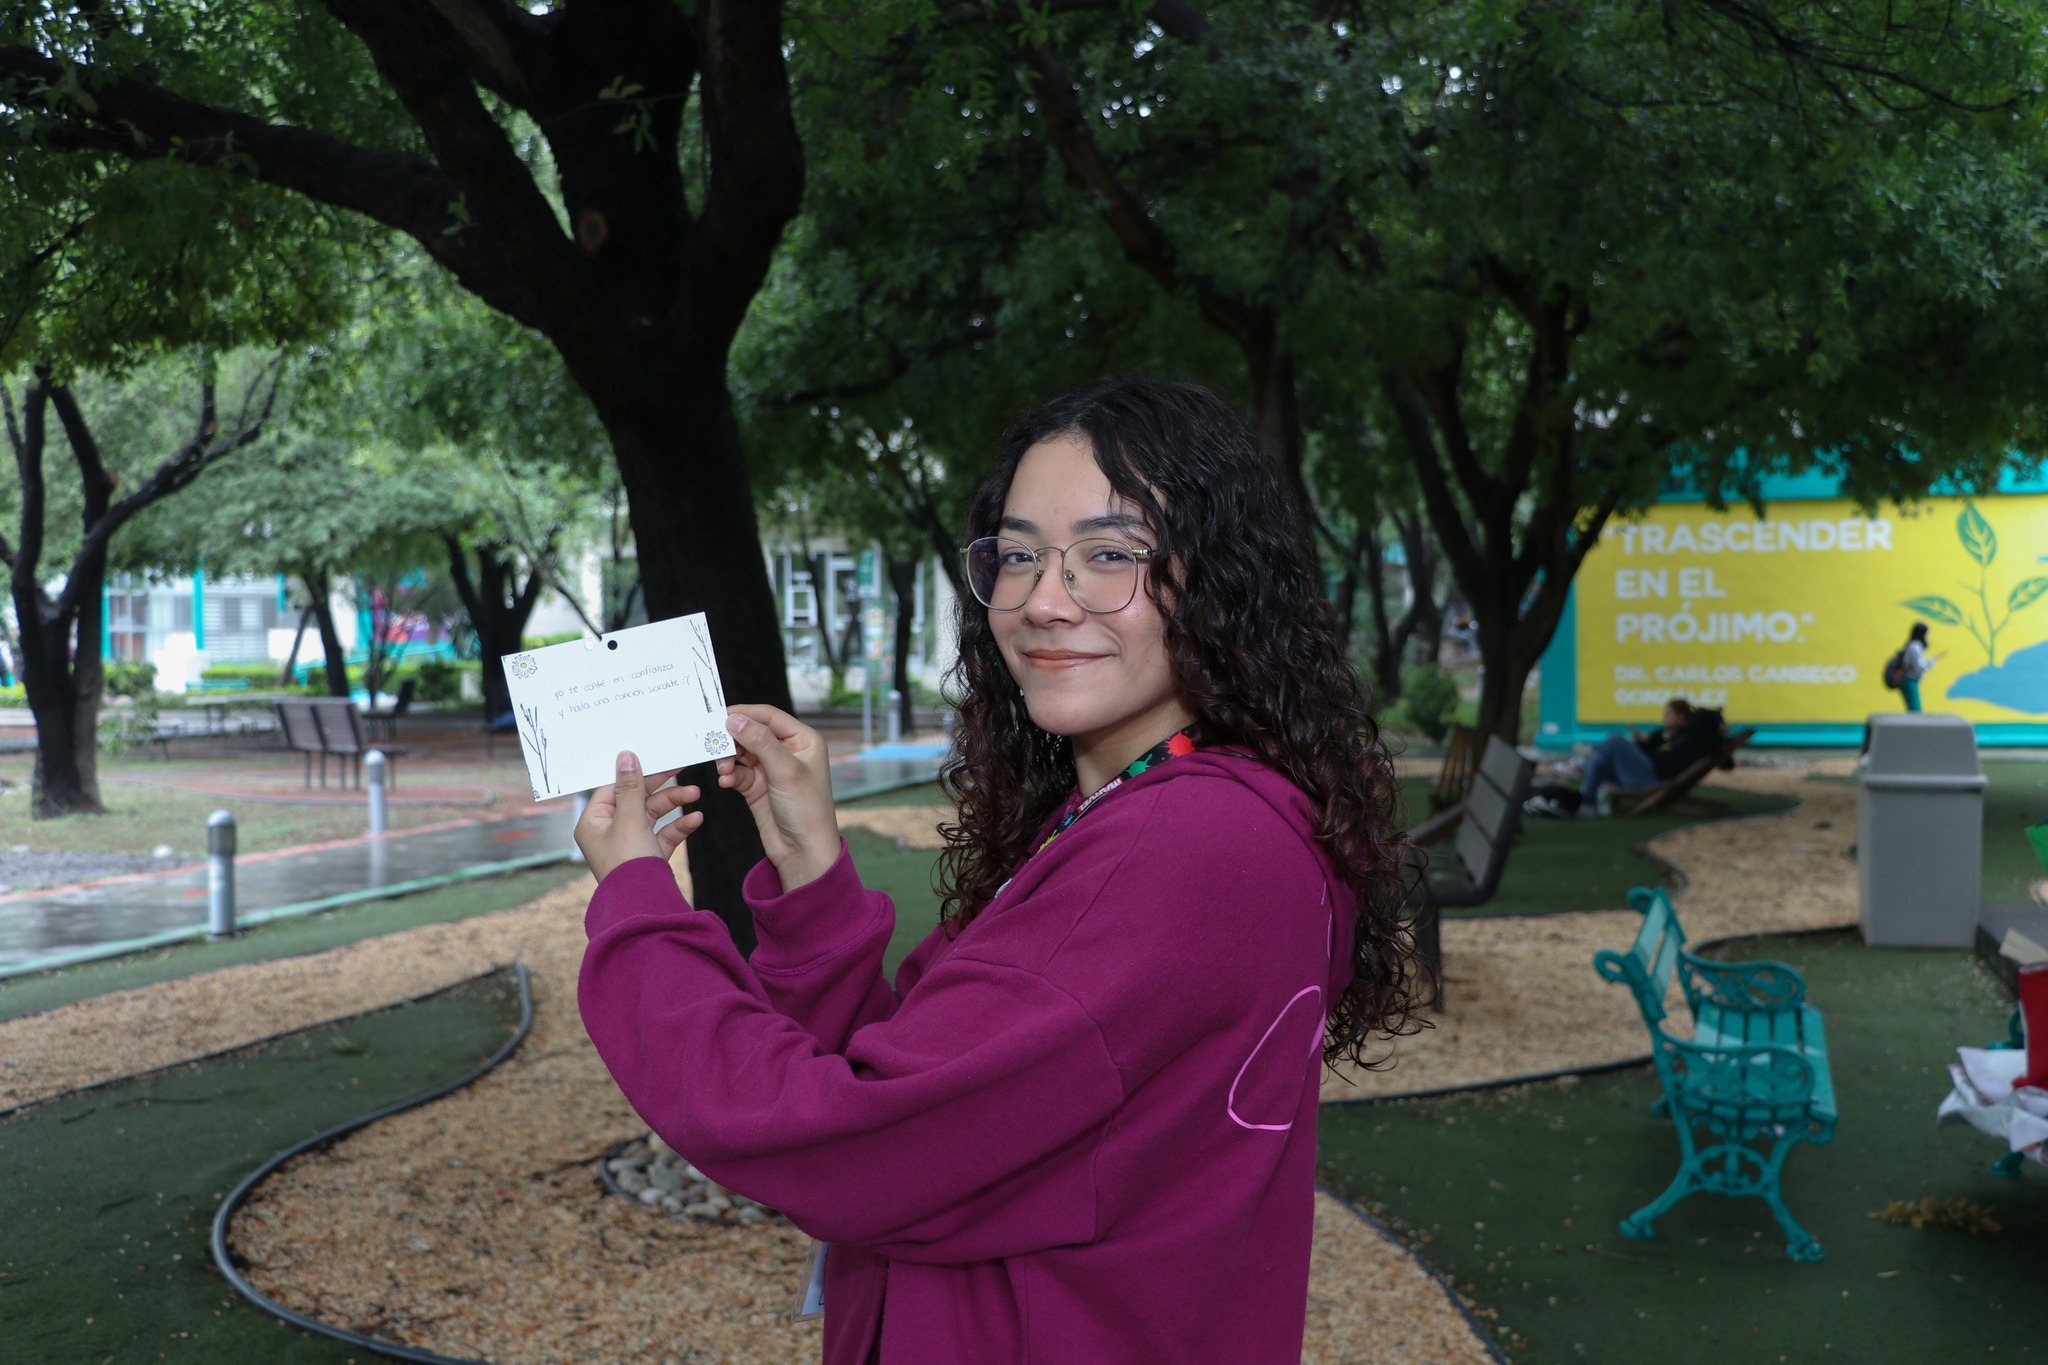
(281, 938)
(1590, 864)
(923, 794)
(107, 1197)
(906, 877)
(1516, 1196)
(2015, 796)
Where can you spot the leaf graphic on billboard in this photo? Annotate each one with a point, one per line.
(1976, 534)
(2025, 592)
(1938, 609)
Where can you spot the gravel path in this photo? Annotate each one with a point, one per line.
(477, 1226)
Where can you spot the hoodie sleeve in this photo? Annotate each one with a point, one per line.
(956, 1129)
(819, 961)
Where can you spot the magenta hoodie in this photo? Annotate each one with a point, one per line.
(1081, 1131)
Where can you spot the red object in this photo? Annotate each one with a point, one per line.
(515, 834)
(1180, 746)
(2034, 1011)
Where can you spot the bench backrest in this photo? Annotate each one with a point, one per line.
(341, 728)
(1493, 812)
(1461, 764)
(1649, 964)
(295, 719)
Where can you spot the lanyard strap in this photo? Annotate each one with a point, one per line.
(1180, 742)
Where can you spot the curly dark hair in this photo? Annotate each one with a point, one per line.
(1234, 548)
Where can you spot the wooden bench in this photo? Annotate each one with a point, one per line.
(1666, 794)
(1753, 1076)
(328, 725)
(1486, 821)
(1453, 783)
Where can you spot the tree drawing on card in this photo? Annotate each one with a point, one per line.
(651, 689)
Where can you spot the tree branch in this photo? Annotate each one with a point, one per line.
(142, 121)
(502, 43)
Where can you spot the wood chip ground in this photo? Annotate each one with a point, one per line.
(476, 1227)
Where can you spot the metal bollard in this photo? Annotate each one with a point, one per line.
(895, 715)
(576, 849)
(376, 773)
(220, 876)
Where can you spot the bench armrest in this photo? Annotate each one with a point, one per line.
(1762, 985)
(1767, 1075)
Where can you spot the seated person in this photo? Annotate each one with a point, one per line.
(1645, 760)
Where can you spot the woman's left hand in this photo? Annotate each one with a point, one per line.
(618, 825)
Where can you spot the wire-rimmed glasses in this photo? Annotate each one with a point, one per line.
(1101, 574)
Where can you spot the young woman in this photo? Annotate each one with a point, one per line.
(1916, 663)
(1080, 1126)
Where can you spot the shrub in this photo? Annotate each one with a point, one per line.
(130, 679)
(440, 680)
(255, 674)
(543, 641)
(15, 696)
(1429, 698)
(130, 728)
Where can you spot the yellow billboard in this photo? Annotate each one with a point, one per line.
(1790, 617)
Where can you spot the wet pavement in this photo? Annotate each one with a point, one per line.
(887, 766)
(44, 928)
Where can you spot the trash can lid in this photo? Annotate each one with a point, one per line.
(1917, 745)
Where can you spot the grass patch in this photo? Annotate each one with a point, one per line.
(107, 1198)
(2015, 796)
(1516, 1196)
(140, 817)
(1589, 864)
(282, 938)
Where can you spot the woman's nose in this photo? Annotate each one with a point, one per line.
(1049, 599)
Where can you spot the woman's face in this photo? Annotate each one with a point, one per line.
(1102, 679)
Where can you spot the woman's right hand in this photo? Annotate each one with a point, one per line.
(783, 771)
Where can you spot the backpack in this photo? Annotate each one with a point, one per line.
(1895, 670)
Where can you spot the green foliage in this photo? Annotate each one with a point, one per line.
(130, 679)
(1429, 699)
(262, 676)
(543, 641)
(131, 727)
(440, 679)
(14, 696)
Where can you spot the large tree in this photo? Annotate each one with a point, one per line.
(57, 582)
(1546, 258)
(615, 176)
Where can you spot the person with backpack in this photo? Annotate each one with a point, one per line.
(1905, 668)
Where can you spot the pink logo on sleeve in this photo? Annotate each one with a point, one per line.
(1274, 1087)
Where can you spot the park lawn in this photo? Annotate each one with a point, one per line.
(1516, 1196)
(107, 1196)
(1590, 864)
(144, 812)
(2015, 796)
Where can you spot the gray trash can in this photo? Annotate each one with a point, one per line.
(1919, 832)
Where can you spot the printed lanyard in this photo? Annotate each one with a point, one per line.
(1179, 743)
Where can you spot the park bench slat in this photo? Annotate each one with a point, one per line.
(1755, 1070)
(1487, 819)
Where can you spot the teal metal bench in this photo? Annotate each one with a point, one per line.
(1753, 1077)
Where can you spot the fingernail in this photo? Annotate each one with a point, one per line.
(628, 763)
(735, 723)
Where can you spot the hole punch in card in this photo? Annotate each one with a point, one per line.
(653, 689)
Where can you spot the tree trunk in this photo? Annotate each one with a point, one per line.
(499, 607)
(64, 698)
(699, 547)
(1424, 619)
(291, 660)
(903, 579)
(319, 599)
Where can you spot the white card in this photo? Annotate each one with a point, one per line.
(653, 689)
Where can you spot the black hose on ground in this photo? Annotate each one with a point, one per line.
(223, 1259)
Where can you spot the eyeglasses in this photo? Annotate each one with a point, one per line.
(1100, 575)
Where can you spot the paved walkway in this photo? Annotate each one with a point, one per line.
(62, 925)
(48, 928)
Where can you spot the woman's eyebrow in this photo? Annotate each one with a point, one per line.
(1112, 521)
